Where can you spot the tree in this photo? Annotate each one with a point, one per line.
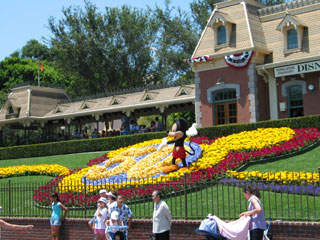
(14, 70)
(176, 42)
(103, 52)
(35, 50)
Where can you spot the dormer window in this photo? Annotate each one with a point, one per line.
(292, 29)
(222, 39)
(222, 28)
(10, 110)
(292, 38)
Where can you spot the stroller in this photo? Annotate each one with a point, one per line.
(208, 228)
(119, 231)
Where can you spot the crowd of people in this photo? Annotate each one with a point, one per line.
(133, 127)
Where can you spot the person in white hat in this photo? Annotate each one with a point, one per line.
(102, 193)
(112, 196)
(100, 217)
(111, 225)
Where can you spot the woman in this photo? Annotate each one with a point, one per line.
(56, 219)
(100, 216)
(161, 218)
(111, 200)
(255, 211)
(125, 214)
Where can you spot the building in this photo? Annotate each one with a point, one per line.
(254, 62)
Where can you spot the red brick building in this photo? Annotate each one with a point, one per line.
(254, 63)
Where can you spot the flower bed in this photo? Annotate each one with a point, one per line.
(218, 156)
(42, 169)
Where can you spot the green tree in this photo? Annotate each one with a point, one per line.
(103, 51)
(176, 42)
(35, 50)
(14, 70)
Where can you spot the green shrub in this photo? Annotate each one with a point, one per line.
(111, 143)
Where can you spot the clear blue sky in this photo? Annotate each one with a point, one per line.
(22, 20)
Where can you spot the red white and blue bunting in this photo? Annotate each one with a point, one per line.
(240, 60)
(198, 59)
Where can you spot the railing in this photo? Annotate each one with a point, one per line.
(186, 199)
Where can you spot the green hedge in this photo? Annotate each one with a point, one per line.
(111, 143)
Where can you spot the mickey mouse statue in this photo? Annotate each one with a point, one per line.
(179, 132)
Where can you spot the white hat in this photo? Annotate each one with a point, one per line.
(110, 194)
(102, 191)
(115, 215)
(102, 199)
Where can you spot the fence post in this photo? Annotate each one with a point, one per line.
(10, 203)
(85, 196)
(185, 197)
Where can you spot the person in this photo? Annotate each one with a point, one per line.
(6, 225)
(111, 225)
(124, 126)
(76, 134)
(161, 221)
(152, 126)
(102, 193)
(142, 129)
(112, 196)
(158, 125)
(56, 219)
(100, 217)
(95, 133)
(125, 213)
(255, 211)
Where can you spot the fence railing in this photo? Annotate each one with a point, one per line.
(186, 200)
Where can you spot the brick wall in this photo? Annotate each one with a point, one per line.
(77, 229)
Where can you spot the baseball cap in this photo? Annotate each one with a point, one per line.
(115, 215)
(102, 191)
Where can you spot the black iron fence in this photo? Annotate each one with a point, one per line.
(187, 199)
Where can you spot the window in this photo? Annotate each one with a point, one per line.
(10, 110)
(292, 38)
(225, 106)
(295, 101)
(222, 35)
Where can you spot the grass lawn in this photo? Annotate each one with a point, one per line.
(309, 162)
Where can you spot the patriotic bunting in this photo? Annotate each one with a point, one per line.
(198, 59)
(240, 60)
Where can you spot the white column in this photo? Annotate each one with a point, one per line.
(273, 97)
(198, 102)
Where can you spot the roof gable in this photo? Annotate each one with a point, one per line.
(289, 20)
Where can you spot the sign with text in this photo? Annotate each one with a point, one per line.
(294, 69)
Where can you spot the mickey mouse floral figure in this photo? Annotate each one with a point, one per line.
(180, 133)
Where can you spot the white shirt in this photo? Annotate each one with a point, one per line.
(99, 221)
(161, 218)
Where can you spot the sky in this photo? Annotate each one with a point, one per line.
(23, 20)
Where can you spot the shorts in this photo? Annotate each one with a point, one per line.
(55, 222)
(99, 231)
(181, 153)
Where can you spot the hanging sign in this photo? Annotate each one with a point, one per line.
(198, 59)
(239, 60)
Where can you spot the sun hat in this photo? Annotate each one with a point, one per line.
(110, 194)
(102, 199)
(102, 191)
(115, 215)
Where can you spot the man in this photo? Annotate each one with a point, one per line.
(161, 218)
(102, 193)
(125, 213)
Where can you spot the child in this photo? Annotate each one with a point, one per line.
(111, 224)
(100, 217)
(55, 220)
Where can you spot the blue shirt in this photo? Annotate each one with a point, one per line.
(56, 210)
(124, 213)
